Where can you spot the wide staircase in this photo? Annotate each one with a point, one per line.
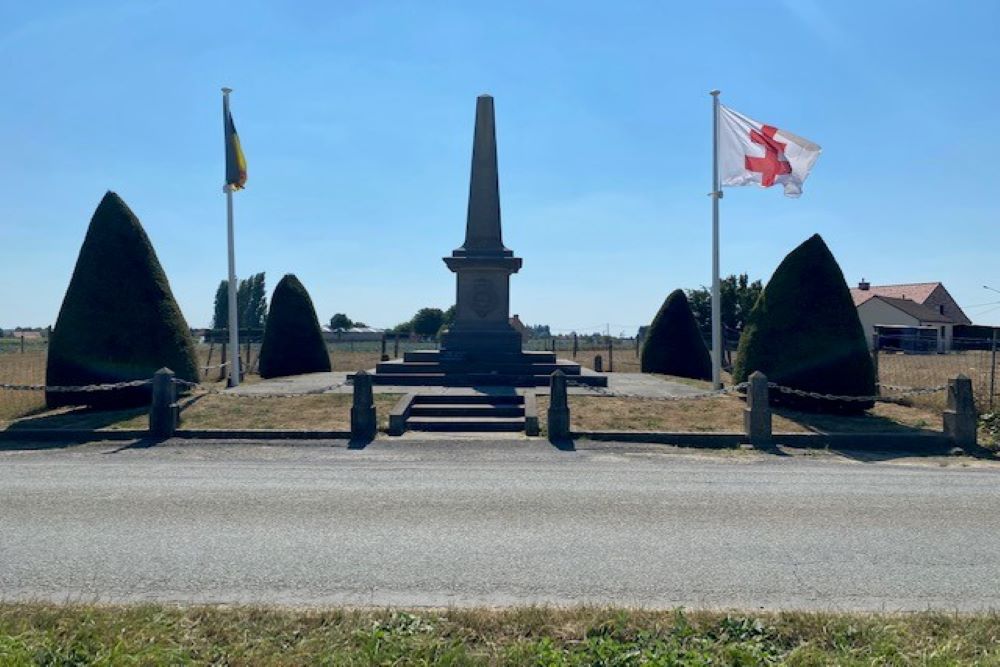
(464, 413)
(439, 368)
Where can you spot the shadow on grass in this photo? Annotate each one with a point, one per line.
(836, 424)
(81, 418)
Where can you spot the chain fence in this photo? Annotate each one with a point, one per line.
(915, 379)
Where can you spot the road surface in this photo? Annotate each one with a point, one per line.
(496, 522)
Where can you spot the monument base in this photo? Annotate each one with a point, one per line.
(455, 368)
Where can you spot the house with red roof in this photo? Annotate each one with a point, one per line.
(924, 311)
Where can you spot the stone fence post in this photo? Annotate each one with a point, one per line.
(960, 418)
(163, 409)
(363, 421)
(558, 421)
(757, 413)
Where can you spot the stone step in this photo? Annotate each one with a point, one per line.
(476, 380)
(424, 367)
(524, 357)
(466, 410)
(468, 399)
(466, 424)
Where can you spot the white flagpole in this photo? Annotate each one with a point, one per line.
(716, 291)
(234, 333)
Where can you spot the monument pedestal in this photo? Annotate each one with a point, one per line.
(481, 347)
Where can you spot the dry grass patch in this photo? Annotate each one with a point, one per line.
(725, 414)
(319, 412)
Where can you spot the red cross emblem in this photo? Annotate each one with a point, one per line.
(773, 163)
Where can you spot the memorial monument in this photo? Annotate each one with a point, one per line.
(481, 347)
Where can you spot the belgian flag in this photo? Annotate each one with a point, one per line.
(236, 163)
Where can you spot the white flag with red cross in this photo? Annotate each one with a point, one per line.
(752, 152)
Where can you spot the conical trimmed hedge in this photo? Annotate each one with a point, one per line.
(293, 342)
(673, 344)
(119, 320)
(804, 333)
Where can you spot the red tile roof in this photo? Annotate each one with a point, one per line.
(914, 309)
(913, 291)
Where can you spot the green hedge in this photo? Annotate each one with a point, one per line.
(119, 320)
(804, 333)
(293, 341)
(673, 344)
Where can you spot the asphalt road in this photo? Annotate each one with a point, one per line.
(496, 523)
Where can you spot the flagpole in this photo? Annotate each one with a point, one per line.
(716, 291)
(234, 332)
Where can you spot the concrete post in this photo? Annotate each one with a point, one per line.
(558, 420)
(960, 416)
(223, 368)
(363, 420)
(611, 355)
(383, 356)
(163, 409)
(757, 414)
(598, 364)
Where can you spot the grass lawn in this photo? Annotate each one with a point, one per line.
(611, 413)
(326, 412)
(44, 634)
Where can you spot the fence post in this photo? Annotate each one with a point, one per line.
(960, 416)
(558, 418)
(598, 364)
(993, 369)
(22, 342)
(611, 355)
(395, 346)
(757, 413)
(383, 356)
(363, 420)
(162, 410)
(576, 345)
(222, 367)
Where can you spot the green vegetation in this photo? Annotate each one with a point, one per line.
(251, 304)
(44, 634)
(673, 344)
(293, 342)
(737, 295)
(340, 321)
(804, 333)
(427, 322)
(119, 320)
(989, 425)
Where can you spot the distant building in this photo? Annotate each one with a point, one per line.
(912, 317)
(353, 334)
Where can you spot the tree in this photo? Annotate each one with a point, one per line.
(118, 321)
(293, 342)
(427, 321)
(804, 333)
(673, 343)
(251, 304)
(737, 295)
(340, 321)
(220, 317)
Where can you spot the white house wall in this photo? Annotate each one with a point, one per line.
(876, 311)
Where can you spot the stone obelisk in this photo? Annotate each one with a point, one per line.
(483, 266)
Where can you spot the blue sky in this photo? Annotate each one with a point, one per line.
(356, 119)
